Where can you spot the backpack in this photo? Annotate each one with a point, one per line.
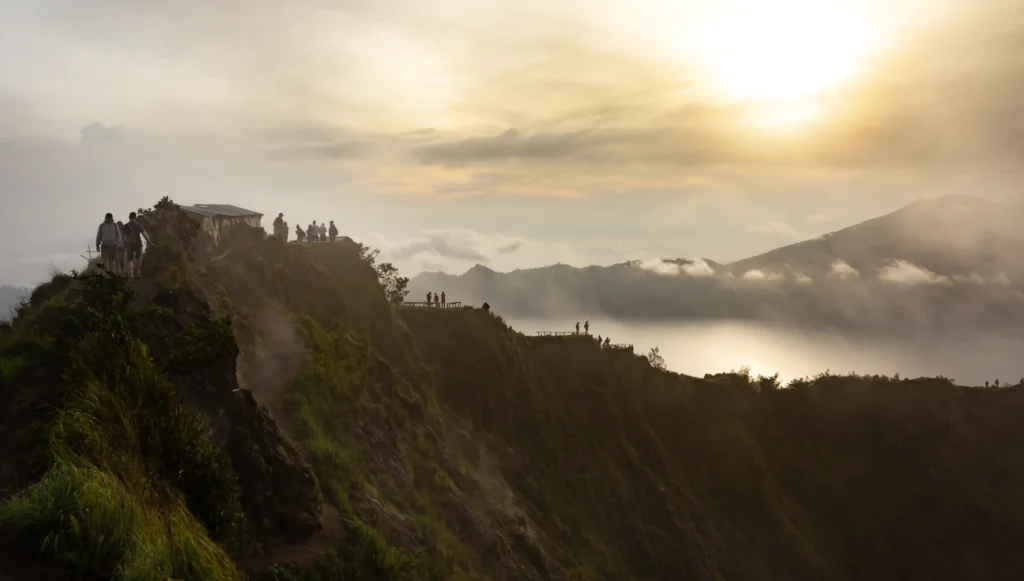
(132, 233)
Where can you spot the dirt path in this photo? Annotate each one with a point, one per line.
(302, 552)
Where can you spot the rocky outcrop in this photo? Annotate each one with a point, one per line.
(280, 494)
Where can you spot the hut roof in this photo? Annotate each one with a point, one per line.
(220, 210)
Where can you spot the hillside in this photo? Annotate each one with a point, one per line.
(942, 265)
(949, 236)
(373, 441)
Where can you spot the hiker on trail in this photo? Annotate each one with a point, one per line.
(586, 327)
(280, 230)
(607, 341)
(300, 235)
(313, 232)
(134, 233)
(443, 300)
(333, 232)
(577, 327)
(437, 301)
(486, 307)
(323, 232)
(108, 236)
(598, 339)
(120, 248)
(429, 296)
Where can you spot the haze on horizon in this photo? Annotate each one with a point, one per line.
(449, 132)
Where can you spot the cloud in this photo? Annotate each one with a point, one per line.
(903, 272)
(760, 275)
(843, 270)
(695, 268)
(458, 243)
(820, 218)
(97, 133)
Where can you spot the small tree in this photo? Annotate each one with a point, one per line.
(655, 358)
(394, 284)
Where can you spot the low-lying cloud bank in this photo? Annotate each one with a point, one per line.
(898, 298)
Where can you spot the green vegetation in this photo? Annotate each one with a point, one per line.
(133, 488)
(454, 447)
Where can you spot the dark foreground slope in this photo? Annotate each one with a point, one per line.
(441, 444)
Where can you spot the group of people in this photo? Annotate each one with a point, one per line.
(120, 245)
(607, 342)
(436, 300)
(313, 233)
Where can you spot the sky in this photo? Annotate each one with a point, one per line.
(513, 134)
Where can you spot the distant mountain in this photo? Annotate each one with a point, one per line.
(940, 263)
(10, 296)
(949, 236)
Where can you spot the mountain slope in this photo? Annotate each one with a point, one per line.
(944, 265)
(451, 446)
(951, 236)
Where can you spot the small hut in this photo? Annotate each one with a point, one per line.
(217, 219)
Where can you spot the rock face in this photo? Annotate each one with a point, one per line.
(281, 496)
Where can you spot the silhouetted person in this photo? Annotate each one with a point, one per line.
(108, 236)
(120, 248)
(333, 231)
(577, 327)
(598, 339)
(134, 233)
(300, 234)
(607, 341)
(430, 295)
(586, 327)
(313, 233)
(323, 232)
(437, 300)
(486, 307)
(444, 301)
(280, 230)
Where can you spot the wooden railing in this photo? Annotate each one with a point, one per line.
(554, 333)
(432, 305)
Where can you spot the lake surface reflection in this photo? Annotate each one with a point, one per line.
(696, 348)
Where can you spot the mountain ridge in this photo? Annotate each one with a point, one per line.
(202, 423)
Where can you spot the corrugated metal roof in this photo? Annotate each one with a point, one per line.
(213, 210)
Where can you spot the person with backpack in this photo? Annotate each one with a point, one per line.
(134, 233)
(333, 232)
(108, 236)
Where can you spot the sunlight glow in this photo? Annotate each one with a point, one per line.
(785, 49)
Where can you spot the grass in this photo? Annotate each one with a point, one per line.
(134, 489)
(87, 518)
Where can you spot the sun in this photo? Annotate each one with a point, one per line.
(784, 50)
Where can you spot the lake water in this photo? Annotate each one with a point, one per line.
(696, 348)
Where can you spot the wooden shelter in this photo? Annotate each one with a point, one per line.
(217, 219)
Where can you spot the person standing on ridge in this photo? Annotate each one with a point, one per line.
(300, 235)
(120, 248)
(134, 233)
(577, 327)
(586, 327)
(333, 232)
(323, 232)
(314, 233)
(429, 296)
(443, 300)
(280, 230)
(107, 238)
